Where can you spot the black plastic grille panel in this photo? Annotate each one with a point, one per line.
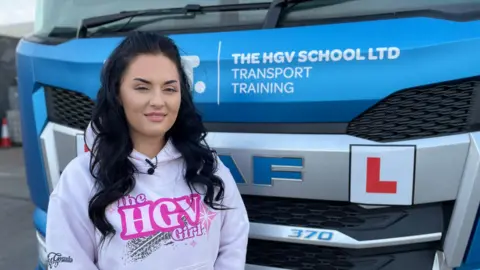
(311, 257)
(442, 109)
(68, 108)
(350, 219)
(305, 213)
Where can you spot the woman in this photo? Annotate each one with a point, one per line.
(151, 194)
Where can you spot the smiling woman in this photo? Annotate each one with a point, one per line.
(151, 186)
(150, 96)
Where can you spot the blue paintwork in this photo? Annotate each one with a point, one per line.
(346, 87)
(40, 221)
(431, 51)
(262, 169)
(236, 174)
(34, 166)
(473, 254)
(39, 109)
(469, 267)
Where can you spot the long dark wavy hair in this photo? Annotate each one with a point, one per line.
(110, 166)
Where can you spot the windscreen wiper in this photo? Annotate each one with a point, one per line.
(279, 7)
(275, 9)
(187, 10)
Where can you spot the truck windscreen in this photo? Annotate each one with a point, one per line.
(60, 18)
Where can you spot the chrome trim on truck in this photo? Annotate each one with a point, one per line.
(326, 162)
(324, 155)
(439, 262)
(58, 149)
(42, 250)
(466, 206)
(332, 238)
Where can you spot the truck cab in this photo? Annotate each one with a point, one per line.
(350, 126)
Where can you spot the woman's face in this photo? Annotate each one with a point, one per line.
(150, 95)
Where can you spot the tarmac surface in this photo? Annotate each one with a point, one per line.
(18, 249)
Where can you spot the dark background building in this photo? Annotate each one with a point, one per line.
(7, 71)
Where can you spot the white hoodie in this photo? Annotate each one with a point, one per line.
(160, 225)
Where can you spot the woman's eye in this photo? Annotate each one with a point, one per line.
(141, 88)
(171, 90)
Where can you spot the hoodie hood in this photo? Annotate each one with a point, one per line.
(168, 152)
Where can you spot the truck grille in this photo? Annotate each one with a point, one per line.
(440, 109)
(435, 110)
(353, 220)
(310, 257)
(68, 108)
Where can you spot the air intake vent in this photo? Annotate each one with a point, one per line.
(311, 257)
(441, 109)
(68, 108)
(350, 219)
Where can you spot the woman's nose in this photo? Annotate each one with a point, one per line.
(157, 98)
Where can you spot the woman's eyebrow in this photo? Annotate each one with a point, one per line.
(142, 80)
(170, 82)
(148, 82)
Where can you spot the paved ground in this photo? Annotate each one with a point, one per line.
(18, 248)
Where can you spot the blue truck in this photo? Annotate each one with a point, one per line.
(352, 127)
